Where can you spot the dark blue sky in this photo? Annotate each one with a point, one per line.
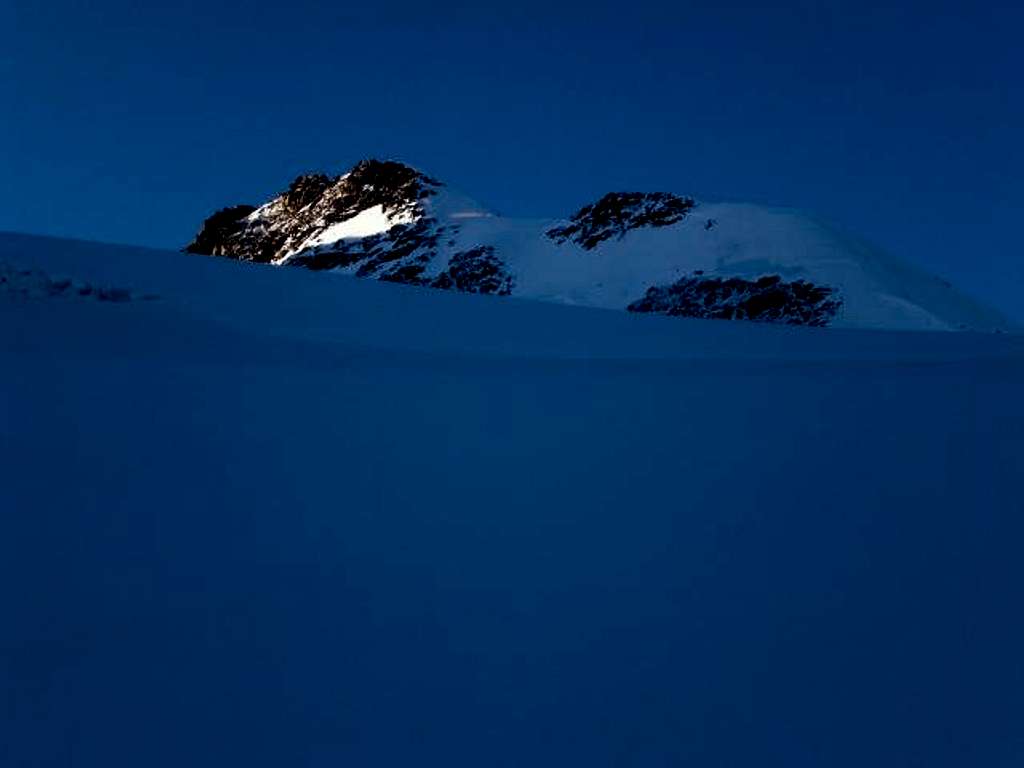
(129, 121)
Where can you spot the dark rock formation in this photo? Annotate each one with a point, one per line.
(311, 204)
(218, 230)
(304, 191)
(477, 270)
(617, 213)
(768, 299)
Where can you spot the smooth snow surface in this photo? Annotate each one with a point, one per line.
(282, 518)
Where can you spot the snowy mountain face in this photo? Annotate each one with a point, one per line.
(641, 252)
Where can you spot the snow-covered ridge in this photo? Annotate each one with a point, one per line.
(388, 221)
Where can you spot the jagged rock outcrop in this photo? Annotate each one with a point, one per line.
(219, 230)
(767, 299)
(312, 204)
(477, 270)
(617, 213)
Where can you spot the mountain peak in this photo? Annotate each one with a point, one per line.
(638, 251)
(375, 194)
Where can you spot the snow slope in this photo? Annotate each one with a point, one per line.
(267, 517)
(391, 222)
(748, 241)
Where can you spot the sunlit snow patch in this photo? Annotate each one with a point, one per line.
(372, 221)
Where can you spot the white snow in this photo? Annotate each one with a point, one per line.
(372, 221)
(277, 517)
